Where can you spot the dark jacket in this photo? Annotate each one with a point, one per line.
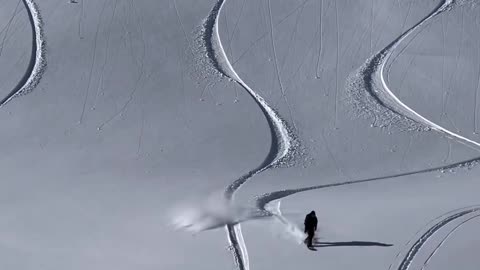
(311, 222)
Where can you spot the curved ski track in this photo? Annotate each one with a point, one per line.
(429, 225)
(281, 139)
(262, 200)
(387, 98)
(437, 247)
(37, 63)
(415, 248)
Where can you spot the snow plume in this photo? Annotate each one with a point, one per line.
(211, 212)
(288, 229)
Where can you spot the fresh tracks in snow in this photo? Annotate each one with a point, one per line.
(282, 145)
(264, 199)
(437, 247)
(37, 63)
(380, 101)
(462, 213)
(465, 214)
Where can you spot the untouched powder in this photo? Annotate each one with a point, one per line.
(37, 63)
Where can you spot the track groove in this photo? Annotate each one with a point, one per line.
(37, 63)
(282, 140)
(407, 260)
(430, 256)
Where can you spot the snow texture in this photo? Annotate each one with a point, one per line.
(159, 124)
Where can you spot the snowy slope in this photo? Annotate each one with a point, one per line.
(361, 110)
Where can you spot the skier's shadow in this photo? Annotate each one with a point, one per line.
(350, 244)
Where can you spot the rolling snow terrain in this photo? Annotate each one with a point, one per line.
(182, 134)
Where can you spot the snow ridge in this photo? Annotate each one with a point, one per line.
(282, 149)
(37, 64)
(264, 199)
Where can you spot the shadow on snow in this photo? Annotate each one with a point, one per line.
(351, 244)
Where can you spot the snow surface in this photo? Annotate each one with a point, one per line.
(141, 130)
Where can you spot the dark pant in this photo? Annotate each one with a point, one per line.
(309, 239)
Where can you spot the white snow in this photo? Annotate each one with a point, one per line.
(157, 125)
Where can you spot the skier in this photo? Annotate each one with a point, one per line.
(310, 227)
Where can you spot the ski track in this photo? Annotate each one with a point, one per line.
(7, 27)
(370, 77)
(37, 63)
(282, 141)
(264, 199)
(415, 248)
(425, 228)
(437, 247)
